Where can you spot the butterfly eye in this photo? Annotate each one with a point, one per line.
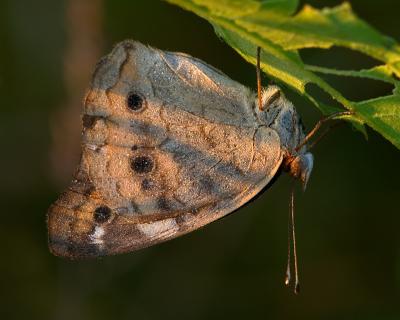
(135, 101)
(142, 164)
(102, 214)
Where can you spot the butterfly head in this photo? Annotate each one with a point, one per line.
(300, 166)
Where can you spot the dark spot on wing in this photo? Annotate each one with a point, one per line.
(102, 214)
(142, 164)
(135, 101)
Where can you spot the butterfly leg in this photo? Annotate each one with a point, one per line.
(333, 116)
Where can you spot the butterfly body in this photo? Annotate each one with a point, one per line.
(169, 144)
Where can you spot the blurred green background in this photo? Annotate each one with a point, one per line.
(347, 220)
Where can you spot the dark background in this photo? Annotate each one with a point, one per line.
(347, 220)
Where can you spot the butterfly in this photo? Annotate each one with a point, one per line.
(169, 144)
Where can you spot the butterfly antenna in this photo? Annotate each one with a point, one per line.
(296, 273)
(292, 241)
(289, 235)
(258, 71)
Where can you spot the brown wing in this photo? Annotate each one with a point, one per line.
(169, 145)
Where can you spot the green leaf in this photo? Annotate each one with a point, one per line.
(237, 8)
(270, 24)
(380, 73)
(284, 7)
(323, 28)
(230, 8)
(383, 115)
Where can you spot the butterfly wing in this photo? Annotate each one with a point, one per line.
(169, 144)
